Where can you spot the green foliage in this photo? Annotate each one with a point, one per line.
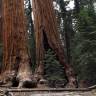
(84, 45)
(54, 71)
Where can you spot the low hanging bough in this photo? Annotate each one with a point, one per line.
(16, 66)
(45, 28)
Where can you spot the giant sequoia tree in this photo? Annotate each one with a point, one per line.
(0, 20)
(48, 37)
(15, 51)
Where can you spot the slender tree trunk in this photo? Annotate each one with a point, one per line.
(15, 53)
(45, 25)
(77, 6)
(30, 29)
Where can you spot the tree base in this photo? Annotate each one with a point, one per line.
(28, 84)
(43, 83)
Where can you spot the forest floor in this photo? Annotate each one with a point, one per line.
(46, 92)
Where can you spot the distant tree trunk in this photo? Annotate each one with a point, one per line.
(46, 29)
(15, 53)
(77, 6)
(67, 29)
(67, 39)
(30, 29)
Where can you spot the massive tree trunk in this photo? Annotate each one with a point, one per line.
(45, 28)
(15, 53)
(0, 34)
(0, 21)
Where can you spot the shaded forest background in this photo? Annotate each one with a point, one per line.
(77, 29)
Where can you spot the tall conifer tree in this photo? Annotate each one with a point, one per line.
(48, 37)
(15, 53)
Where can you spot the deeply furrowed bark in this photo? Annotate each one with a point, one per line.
(45, 23)
(0, 20)
(15, 53)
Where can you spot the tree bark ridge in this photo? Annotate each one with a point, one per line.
(45, 22)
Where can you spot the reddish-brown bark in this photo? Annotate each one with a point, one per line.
(15, 51)
(45, 23)
(0, 20)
